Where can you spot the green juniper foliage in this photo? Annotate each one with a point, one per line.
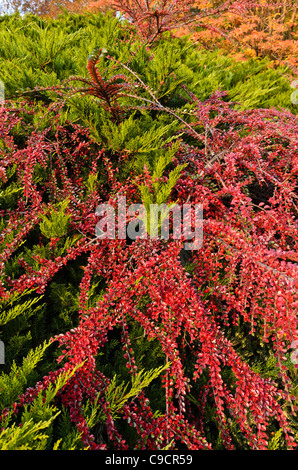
(40, 53)
(35, 432)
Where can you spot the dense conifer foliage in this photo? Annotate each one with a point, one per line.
(120, 343)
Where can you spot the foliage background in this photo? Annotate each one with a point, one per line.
(62, 153)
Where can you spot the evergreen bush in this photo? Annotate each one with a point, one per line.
(119, 344)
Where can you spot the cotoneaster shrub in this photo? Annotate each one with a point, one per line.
(125, 345)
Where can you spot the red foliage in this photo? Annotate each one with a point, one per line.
(152, 18)
(245, 272)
